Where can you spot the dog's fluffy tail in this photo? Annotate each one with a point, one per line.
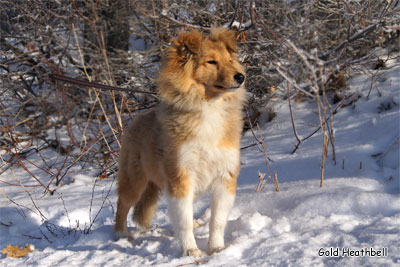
(147, 206)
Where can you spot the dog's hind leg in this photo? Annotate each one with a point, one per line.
(130, 189)
(147, 206)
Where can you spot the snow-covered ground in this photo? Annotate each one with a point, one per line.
(358, 207)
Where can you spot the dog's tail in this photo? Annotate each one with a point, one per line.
(147, 206)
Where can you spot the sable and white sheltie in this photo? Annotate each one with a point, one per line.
(190, 143)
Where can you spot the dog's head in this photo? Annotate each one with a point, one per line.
(207, 62)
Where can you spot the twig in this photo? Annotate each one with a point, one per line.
(6, 224)
(293, 83)
(39, 212)
(65, 209)
(234, 14)
(276, 183)
(264, 149)
(324, 154)
(16, 154)
(177, 22)
(261, 177)
(292, 119)
(63, 78)
(196, 262)
(260, 141)
(338, 106)
(354, 37)
(32, 237)
(322, 115)
(45, 236)
(26, 185)
(88, 229)
(327, 118)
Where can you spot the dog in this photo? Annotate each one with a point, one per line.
(190, 143)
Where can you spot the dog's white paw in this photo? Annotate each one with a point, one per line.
(214, 250)
(193, 252)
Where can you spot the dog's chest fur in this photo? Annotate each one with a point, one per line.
(202, 156)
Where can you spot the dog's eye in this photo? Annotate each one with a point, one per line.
(213, 62)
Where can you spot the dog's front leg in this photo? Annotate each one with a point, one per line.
(181, 214)
(221, 205)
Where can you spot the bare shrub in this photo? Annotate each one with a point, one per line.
(119, 43)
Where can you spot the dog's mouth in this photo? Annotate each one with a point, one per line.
(229, 89)
(232, 89)
(219, 87)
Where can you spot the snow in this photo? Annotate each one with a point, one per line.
(358, 207)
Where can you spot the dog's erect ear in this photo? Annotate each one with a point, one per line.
(226, 36)
(188, 43)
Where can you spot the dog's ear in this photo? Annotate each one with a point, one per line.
(226, 36)
(188, 43)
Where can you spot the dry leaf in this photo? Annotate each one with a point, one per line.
(16, 251)
(337, 80)
(299, 99)
(103, 176)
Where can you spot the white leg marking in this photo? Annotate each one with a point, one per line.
(221, 205)
(181, 215)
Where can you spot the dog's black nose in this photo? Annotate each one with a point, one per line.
(239, 78)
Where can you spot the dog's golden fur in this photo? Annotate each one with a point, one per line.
(189, 144)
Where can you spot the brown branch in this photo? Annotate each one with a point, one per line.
(234, 14)
(19, 185)
(293, 83)
(177, 22)
(352, 38)
(322, 107)
(96, 85)
(276, 183)
(292, 119)
(260, 141)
